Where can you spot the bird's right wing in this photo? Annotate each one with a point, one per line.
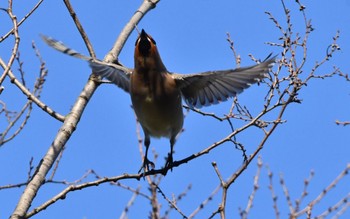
(117, 74)
(212, 87)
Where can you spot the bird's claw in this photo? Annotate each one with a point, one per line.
(146, 165)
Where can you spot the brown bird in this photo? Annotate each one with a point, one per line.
(156, 93)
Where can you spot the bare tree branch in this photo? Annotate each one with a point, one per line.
(308, 209)
(244, 213)
(38, 87)
(80, 28)
(273, 193)
(21, 21)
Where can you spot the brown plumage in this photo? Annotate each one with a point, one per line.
(156, 94)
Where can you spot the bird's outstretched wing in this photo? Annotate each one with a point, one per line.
(117, 74)
(114, 73)
(212, 87)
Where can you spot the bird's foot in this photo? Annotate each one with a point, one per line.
(146, 165)
(169, 162)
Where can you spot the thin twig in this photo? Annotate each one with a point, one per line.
(171, 203)
(177, 199)
(21, 21)
(287, 195)
(80, 28)
(32, 97)
(310, 206)
(244, 213)
(273, 194)
(232, 47)
(205, 202)
(343, 204)
(304, 193)
(129, 204)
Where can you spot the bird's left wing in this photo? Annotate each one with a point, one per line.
(117, 74)
(212, 87)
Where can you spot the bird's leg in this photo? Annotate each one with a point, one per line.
(146, 162)
(169, 161)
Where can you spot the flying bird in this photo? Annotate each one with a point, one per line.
(156, 94)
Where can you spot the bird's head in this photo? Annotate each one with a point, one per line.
(146, 52)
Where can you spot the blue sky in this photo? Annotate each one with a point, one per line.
(191, 37)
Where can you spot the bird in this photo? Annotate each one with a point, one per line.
(157, 94)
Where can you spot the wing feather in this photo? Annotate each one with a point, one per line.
(212, 87)
(117, 74)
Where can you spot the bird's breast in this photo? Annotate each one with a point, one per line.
(157, 103)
